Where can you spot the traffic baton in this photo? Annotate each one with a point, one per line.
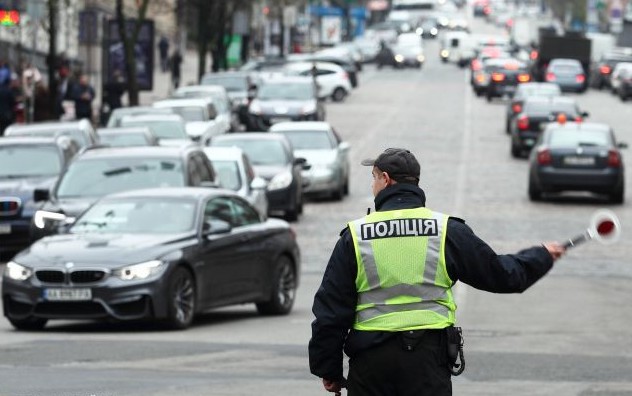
(604, 227)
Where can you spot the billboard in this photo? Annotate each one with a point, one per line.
(114, 53)
(331, 30)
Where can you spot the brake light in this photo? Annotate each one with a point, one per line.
(516, 108)
(578, 119)
(534, 55)
(580, 78)
(510, 23)
(480, 78)
(487, 10)
(605, 69)
(524, 78)
(614, 159)
(523, 123)
(498, 77)
(550, 77)
(544, 156)
(476, 65)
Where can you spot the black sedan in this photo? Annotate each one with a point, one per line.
(163, 254)
(536, 114)
(99, 172)
(28, 164)
(525, 91)
(504, 77)
(272, 157)
(577, 157)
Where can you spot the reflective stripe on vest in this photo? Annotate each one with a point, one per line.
(402, 281)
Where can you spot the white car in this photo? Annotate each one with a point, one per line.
(235, 172)
(218, 95)
(169, 129)
(615, 78)
(324, 150)
(333, 82)
(199, 115)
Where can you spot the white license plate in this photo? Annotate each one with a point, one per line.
(276, 120)
(579, 161)
(67, 294)
(5, 229)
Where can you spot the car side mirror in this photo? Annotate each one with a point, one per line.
(258, 183)
(622, 145)
(41, 195)
(585, 114)
(299, 161)
(344, 146)
(216, 227)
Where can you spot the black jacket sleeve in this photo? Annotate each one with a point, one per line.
(334, 309)
(472, 261)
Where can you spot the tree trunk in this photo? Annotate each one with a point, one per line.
(51, 59)
(203, 9)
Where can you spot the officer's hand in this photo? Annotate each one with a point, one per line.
(331, 386)
(555, 249)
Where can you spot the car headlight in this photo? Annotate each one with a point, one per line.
(399, 58)
(421, 58)
(41, 216)
(434, 31)
(17, 272)
(139, 271)
(307, 109)
(445, 53)
(255, 108)
(282, 180)
(419, 31)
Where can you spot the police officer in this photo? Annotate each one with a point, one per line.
(386, 295)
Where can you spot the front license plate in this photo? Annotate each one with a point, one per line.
(5, 229)
(579, 161)
(67, 294)
(276, 120)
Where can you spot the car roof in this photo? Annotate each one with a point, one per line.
(201, 88)
(189, 102)
(300, 126)
(308, 65)
(289, 80)
(574, 126)
(250, 136)
(138, 152)
(28, 141)
(197, 193)
(124, 130)
(153, 117)
(44, 126)
(224, 153)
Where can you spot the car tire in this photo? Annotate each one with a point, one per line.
(291, 214)
(489, 98)
(478, 92)
(283, 289)
(346, 188)
(29, 324)
(339, 193)
(617, 196)
(339, 95)
(181, 300)
(516, 152)
(623, 96)
(535, 194)
(508, 126)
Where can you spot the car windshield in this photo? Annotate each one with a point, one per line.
(161, 129)
(98, 177)
(231, 84)
(286, 91)
(575, 138)
(228, 172)
(189, 113)
(23, 160)
(565, 68)
(260, 152)
(309, 140)
(138, 216)
(75, 134)
(123, 139)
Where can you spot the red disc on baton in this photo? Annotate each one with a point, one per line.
(605, 227)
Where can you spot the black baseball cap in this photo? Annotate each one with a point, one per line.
(400, 164)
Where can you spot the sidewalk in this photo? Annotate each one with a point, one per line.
(162, 81)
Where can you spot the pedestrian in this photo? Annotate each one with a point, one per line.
(386, 295)
(176, 61)
(7, 106)
(163, 50)
(42, 110)
(5, 72)
(112, 93)
(83, 95)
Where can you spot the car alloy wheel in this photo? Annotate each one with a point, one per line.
(283, 289)
(182, 299)
(339, 95)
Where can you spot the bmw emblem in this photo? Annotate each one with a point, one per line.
(69, 265)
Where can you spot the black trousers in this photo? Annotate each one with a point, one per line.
(390, 370)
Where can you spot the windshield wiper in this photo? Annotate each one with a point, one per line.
(118, 171)
(99, 224)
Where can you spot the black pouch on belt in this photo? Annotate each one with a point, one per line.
(455, 350)
(410, 339)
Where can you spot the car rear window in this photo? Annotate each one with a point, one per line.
(540, 108)
(575, 138)
(566, 68)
